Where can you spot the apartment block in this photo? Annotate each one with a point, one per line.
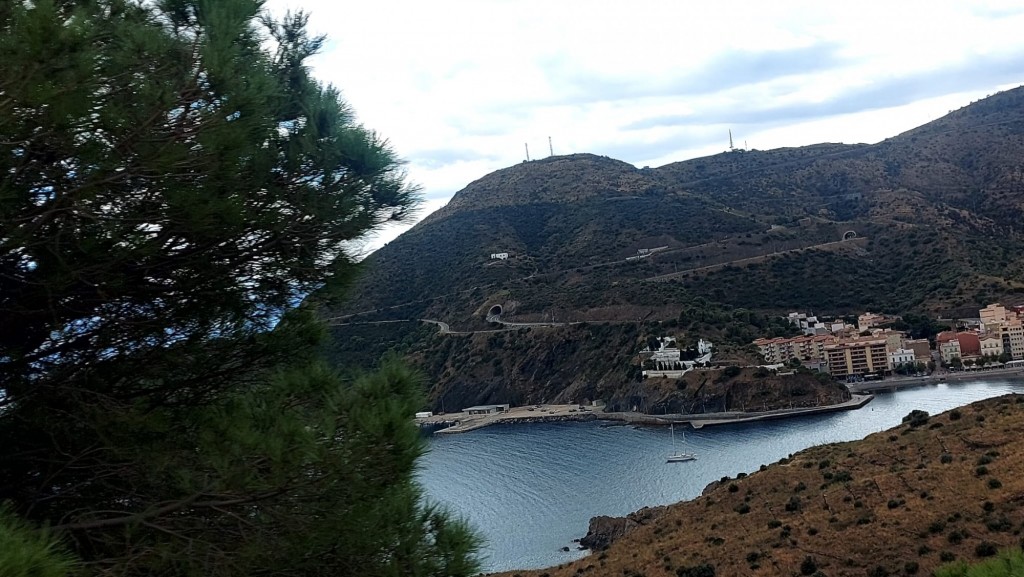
(857, 357)
(806, 348)
(993, 314)
(1012, 335)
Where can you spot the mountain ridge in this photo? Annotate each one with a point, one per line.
(704, 248)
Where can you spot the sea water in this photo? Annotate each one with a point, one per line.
(530, 489)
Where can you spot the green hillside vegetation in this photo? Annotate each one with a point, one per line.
(173, 183)
(934, 213)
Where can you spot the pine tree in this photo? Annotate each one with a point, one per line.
(172, 184)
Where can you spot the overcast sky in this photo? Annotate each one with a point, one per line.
(458, 87)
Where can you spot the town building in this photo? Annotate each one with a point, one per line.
(1012, 334)
(993, 314)
(991, 345)
(901, 357)
(922, 349)
(868, 321)
(949, 350)
(894, 340)
(486, 409)
(806, 348)
(857, 357)
(666, 355)
(499, 255)
(808, 324)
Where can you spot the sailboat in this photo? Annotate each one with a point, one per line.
(678, 456)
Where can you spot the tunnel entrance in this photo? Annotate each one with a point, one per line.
(495, 311)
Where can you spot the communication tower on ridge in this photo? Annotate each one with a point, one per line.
(731, 147)
(551, 149)
(527, 145)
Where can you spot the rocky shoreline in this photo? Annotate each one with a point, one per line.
(604, 530)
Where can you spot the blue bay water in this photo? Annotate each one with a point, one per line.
(529, 490)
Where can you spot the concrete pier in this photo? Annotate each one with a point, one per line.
(462, 422)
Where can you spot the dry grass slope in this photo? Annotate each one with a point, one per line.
(899, 502)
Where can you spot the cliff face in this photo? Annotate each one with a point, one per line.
(899, 502)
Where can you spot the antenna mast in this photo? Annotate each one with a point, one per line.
(527, 145)
(551, 149)
(731, 147)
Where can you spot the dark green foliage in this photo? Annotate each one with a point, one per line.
(808, 566)
(916, 418)
(170, 190)
(793, 504)
(985, 549)
(28, 552)
(1008, 563)
(702, 570)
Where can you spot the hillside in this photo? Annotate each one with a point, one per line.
(925, 221)
(900, 502)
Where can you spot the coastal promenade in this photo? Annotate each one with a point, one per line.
(897, 383)
(463, 422)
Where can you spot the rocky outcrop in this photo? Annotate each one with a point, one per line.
(603, 530)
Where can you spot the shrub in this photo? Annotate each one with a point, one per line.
(916, 418)
(994, 483)
(911, 567)
(702, 570)
(793, 504)
(808, 566)
(985, 549)
(946, 458)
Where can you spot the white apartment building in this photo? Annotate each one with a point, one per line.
(991, 345)
(901, 357)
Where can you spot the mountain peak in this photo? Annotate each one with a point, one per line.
(554, 179)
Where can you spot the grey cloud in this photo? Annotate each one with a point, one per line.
(729, 70)
(886, 93)
(637, 152)
(438, 157)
